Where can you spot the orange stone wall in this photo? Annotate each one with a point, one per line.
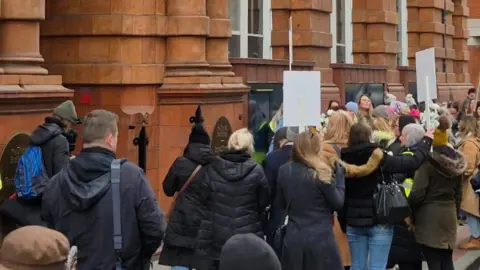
(159, 58)
(312, 40)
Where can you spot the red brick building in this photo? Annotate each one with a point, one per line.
(163, 57)
(474, 41)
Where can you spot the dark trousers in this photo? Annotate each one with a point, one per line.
(410, 266)
(438, 259)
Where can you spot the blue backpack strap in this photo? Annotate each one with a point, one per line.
(117, 217)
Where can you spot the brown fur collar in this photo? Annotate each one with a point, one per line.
(449, 166)
(367, 168)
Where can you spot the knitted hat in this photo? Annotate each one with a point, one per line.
(66, 111)
(198, 133)
(352, 106)
(380, 111)
(440, 135)
(404, 120)
(248, 251)
(34, 247)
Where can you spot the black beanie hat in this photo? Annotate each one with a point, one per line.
(198, 133)
(404, 120)
(248, 252)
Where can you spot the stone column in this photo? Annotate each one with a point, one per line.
(312, 39)
(220, 32)
(20, 36)
(460, 39)
(187, 31)
(375, 37)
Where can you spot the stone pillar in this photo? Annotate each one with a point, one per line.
(375, 37)
(220, 32)
(20, 36)
(312, 39)
(426, 30)
(187, 31)
(460, 39)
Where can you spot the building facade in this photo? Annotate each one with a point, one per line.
(474, 40)
(153, 61)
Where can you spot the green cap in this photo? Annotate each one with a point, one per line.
(66, 111)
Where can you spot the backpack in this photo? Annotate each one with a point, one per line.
(30, 176)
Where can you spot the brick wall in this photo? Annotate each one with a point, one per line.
(474, 65)
(474, 6)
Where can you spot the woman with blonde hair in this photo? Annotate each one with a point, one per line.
(310, 191)
(365, 109)
(383, 133)
(470, 146)
(235, 193)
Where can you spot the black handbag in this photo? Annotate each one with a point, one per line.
(279, 235)
(391, 204)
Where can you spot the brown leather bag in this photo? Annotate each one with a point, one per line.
(168, 214)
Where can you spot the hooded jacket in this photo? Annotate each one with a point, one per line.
(181, 235)
(55, 148)
(78, 203)
(436, 197)
(235, 191)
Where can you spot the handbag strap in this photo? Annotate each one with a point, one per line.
(185, 185)
(117, 218)
(189, 180)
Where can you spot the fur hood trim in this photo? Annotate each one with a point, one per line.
(449, 166)
(368, 168)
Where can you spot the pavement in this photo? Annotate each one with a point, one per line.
(463, 260)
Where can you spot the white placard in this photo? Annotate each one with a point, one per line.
(425, 65)
(301, 98)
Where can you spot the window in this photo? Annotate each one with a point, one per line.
(342, 31)
(251, 28)
(354, 91)
(402, 33)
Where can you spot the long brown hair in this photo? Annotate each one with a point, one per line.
(307, 150)
(338, 126)
(469, 125)
(359, 133)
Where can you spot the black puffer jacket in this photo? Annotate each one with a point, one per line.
(235, 192)
(186, 216)
(359, 203)
(55, 147)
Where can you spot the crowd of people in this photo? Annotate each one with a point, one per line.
(312, 202)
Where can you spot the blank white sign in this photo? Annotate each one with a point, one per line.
(301, 98)
(425, 64)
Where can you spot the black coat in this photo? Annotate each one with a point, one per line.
(55, 147)
(235, 192)
(271, 165)
(359, 203)
(78, 203)
(181, 234)
(309, 240)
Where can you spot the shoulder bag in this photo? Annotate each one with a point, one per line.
(391, 204)
(168, 214)
(117, 217)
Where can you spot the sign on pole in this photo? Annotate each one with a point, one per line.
(301, 98)
(425, 65)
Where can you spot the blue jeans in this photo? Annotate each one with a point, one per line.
(369, 245)
(179, 268)
(474, 225)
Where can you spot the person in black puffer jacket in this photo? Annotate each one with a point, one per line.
(181, 233)
(235, 192)
(369, 240)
